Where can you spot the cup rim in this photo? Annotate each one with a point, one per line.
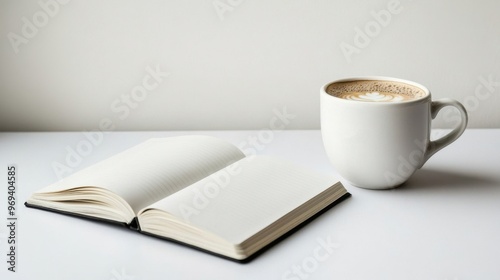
(380, 78)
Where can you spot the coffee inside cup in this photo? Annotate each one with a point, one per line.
(375, 91)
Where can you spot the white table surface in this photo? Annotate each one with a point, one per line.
(443, 224)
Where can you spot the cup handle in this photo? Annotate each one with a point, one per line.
(444, 141)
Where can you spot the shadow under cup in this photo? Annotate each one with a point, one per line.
(376, 130)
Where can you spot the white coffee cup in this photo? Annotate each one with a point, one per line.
(379, 145)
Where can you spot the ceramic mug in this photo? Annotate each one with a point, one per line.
(377, 143)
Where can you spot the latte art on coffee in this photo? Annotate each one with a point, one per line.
(374, 97)
(375, 91)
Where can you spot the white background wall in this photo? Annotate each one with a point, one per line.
(231, 63)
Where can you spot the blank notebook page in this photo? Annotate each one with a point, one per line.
(262, 190)
(154, 169)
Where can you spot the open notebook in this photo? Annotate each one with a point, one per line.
(200, 191)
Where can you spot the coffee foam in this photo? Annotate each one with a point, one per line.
(375, 91)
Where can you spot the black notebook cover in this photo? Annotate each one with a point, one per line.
(132, 225)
